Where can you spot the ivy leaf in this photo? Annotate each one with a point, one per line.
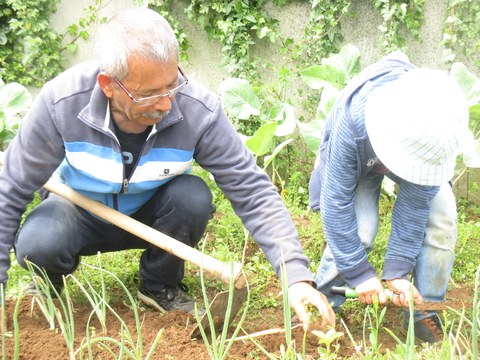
(84, 34)
(71, 47)
(3, 38)
(262, 32)
(72, 29)
(239, 99)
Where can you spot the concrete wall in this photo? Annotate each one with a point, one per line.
(361, 31)
(204, 57)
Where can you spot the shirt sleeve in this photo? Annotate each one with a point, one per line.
(409, 220)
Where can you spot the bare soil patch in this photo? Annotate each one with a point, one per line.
(38, 342)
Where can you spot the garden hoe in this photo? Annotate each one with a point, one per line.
(222, 271)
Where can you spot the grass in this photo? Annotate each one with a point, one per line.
(227, 241)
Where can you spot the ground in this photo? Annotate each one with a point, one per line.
(38, 342)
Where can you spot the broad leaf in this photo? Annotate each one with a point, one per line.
(348, 60)
(261, 142)
(14, 98)
(327, 100)
(268, 159)
(312, 133)
(470, 150)
(288, 124)
(239, 99)
(318, 76)
(468, 81)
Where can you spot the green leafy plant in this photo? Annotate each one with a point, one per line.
(329, 78)
(276, 122)
(234, 24)
(399, 16)
(327, 338)
(471, 86)
(14, 100)
(461, 31)
(31, 51)
(375, 316)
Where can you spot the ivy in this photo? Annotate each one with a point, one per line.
(462, 30)
(25, 25)
(32, 52)
(323, 32)
(399, 17)
(236, 25)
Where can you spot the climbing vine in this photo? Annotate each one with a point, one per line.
(462, 30)
(31, 52)
(399, 16)
(23, 25)
(236, 24)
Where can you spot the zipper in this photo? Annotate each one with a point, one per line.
(125, 186)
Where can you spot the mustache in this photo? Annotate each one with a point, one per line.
(155, 115)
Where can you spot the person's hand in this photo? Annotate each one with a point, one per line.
(371, 289)
(301, 294)
(401, 293)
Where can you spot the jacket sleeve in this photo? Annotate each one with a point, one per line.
(30, 159)
(409, 220)
(337, 209)
(252, 195)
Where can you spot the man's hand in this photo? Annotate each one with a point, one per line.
(301, 294)
(368, 290)
(401, 293)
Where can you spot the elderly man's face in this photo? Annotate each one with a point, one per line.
(145, 79)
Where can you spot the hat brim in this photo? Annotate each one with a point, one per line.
(400, 120)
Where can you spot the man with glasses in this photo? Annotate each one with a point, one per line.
(125, 131)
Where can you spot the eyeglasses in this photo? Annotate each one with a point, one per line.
(150, 100)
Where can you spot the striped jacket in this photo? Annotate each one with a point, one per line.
(345, 156)
(68, 132)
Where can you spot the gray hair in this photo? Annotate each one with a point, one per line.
(136, 32)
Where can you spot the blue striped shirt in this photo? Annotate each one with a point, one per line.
(345, 157)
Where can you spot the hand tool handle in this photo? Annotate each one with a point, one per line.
(218, 269)
(351, 293)
(344, 291)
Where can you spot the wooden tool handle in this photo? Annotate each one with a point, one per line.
(218, 269)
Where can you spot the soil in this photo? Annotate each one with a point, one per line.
(39, 342)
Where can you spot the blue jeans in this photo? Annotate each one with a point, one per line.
(57, 232)
(435, 261)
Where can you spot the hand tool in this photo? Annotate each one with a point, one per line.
(351, 293)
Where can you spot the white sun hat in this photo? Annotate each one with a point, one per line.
(416, 125)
